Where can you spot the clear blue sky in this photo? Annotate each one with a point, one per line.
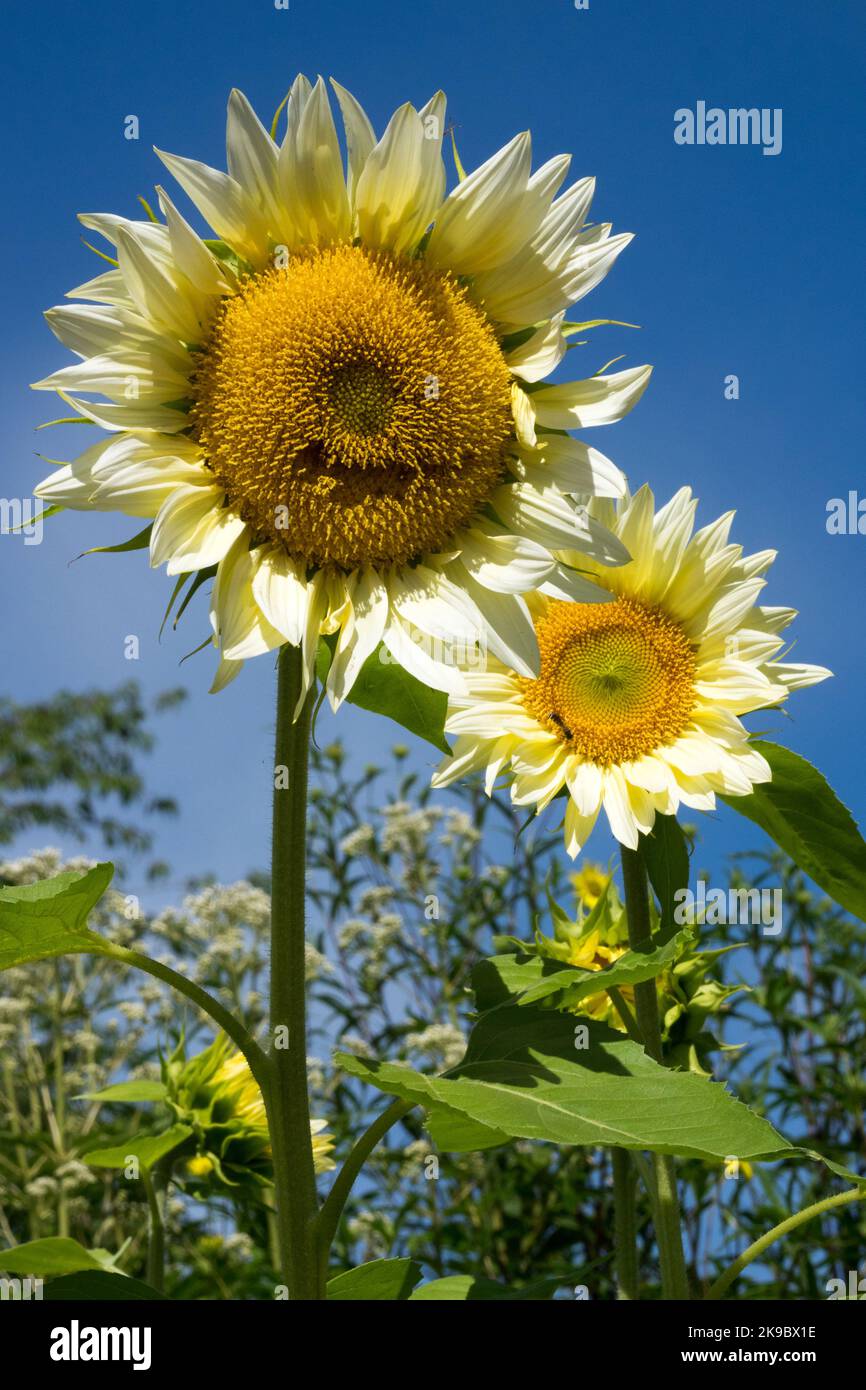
(742, 264)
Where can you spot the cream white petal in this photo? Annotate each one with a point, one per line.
(205, 273)
(132, 376)
(92, 330)
(577, 829)
(413, 650)
(107, 288)
(586, 786)
(156, 293)
(495, 211)
(313, 186)
(130, 415)
(222, 203)
(402, 181)
(541, 353)
(507, 631)
(240, 626)
(226, 672)
(506, 563)
(431, 602)
(573, 466)
(600, 400)
(729, 607)
(360, 636)
(573, 587)
(796, 676)
(252, 161)
(618, 808)
(360, 135)
(281, 590)
(550, 519)
(466, 758)
(193, 530)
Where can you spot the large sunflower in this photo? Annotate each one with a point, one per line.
(637, 702)
(336, 405)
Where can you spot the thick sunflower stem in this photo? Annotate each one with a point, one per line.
(285, 1092)
(675, 1284)
(625, 1226)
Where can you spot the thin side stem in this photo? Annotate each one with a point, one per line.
(200, 997)
(791, 1223)
(625, 1226)
(675, 1283)
(329, 1217)
(285, 1091)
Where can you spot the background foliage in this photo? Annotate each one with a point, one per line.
(408, 892)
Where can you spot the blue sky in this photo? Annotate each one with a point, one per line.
(742, 264)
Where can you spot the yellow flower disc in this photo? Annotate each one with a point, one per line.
(354, 406)
(616, 679)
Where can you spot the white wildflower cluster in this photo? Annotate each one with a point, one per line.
(360, 841)
(39, 864)
(441, 1043)
(458, 830)
(408, 829)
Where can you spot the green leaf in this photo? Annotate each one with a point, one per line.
(44, 919)
(384, 687)
(528, 979)
(54, 1255)
(451, 1132)
(128, 1092)
(93, 1286)
(378, 1281)
(666, 856)
(148, 1149)
(525, 1075)
(458, 1288)
(801, 812)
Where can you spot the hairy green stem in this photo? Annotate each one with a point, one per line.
(675, 1283)
(285, 1090)
(332, 1210)
(724, 1281)
(625, 1226)
(155, 1184)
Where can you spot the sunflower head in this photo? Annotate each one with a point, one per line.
(216, 1094)
(636, 708)
(355, 405)
(336, 405)
(590, 883)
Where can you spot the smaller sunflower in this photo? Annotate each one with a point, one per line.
(636, 707)
(216, 1094)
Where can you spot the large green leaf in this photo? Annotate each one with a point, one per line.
(148, 1149)
(528, 979)
(801, 812)
(384, 687)
(95, 1286)
(48, 918)
(525, 1075)
(458, 1288)
(666, 856)
(454, 1133)
(378, 1281)
(53, 1255)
